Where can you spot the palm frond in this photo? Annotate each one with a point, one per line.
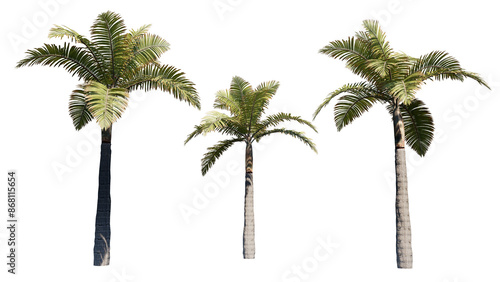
(354, 52)
(215, 152)
(240, 90)
(136, 33)
(108, 34)
(225, 101)
(418, 125)
(106, 104)
(295, 134)
(165, 78)
(73, 59)
(78, 109)
(273, 120)
(218, 122)
(149, 48)
(65, 32)
(379, 45)
(348, 88)
(259, 100)
(353, 105)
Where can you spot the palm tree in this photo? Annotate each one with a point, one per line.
(392, 78)
(111, 64)
(245, 123)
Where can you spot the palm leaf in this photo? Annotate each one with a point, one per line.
(106, 104)
(351, 106)
(108, 34)
(214, 153)
(63, 31)
(348, 88)
(258, 101)
(73, 59)
(419, 126)
(165, 78)
(225, 101)
(354, 52)
(379, 45)
(296, 134)
(273, 120)
(78, 109)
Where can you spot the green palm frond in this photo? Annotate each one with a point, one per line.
(136, 33)
(241, 90)
(108, 34)
(296, 134)
(218, 122)
(379, 45)
(214, 153)
(354, 52)
(225, 101)
(274, 120)
(418, 125)
(353, 105)
(73, 59)
(62, 32)
(78, 109)
(259, 100)
(405, 90)
(106, 104)
(165, 78)
(348, 88)
(222, 123)
(149, 48)
(198, 130)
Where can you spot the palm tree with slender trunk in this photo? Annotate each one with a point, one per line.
(244, 122)
(392, 78)
(111, 64)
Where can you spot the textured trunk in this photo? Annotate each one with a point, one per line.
(249, 225)
(102, 221)
(403, 226)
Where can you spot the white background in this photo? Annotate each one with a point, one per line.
(344, 194)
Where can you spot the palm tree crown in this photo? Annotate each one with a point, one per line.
(391, 78)
(111, 63)
(244, 120)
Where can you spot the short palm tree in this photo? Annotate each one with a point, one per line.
(111, 64)
(245, 122)
(392, 78)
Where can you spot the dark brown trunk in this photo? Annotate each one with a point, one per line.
(249, 225)
(403, 226)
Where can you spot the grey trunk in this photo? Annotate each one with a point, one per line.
(102, 221)
(249, 225)
(403, 226)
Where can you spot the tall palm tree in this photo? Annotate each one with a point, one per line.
(110, 64)
(392, 78)
(245, 122)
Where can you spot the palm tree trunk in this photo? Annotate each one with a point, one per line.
(403, 226)
(102, 221)
(249, 225)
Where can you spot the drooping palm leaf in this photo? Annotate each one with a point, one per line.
(293, 133)
(353, 105)
(419, 126)
(78, 109)
(73, 59)
(348, 88)
(165, 78)
(106, 104)
(214, 153)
